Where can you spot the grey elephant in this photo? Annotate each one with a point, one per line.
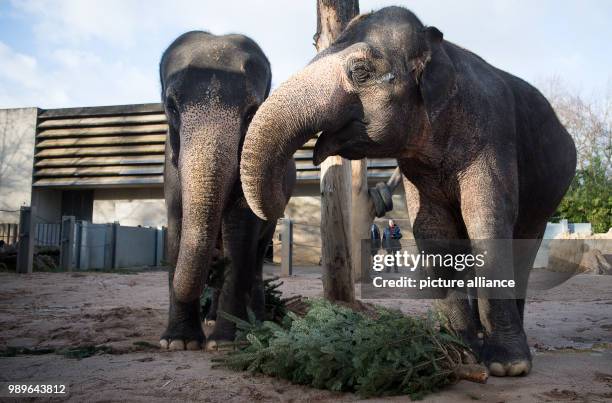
(483, 154)
(211, 87)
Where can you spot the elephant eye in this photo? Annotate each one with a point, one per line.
(361, 72)
(172, 111)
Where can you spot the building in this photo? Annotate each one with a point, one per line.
(105, 164)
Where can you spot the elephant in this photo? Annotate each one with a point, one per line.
(211, 87)
(483, 154)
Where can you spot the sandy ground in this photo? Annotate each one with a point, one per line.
(569, 329)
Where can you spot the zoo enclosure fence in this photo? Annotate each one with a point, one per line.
(84, 245)
(9, 233)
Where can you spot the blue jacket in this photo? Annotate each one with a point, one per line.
(391, 237)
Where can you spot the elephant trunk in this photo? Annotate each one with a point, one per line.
(309, 102)
(208, 165)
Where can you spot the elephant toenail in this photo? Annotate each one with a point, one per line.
(211, 345)
(497, 369)
(177, 345)
(519, 368)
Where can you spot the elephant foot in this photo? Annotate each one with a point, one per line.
(222, 335)
(178, 344)
(219, 345)
(514, 368)
(507, 357)
(182, 336)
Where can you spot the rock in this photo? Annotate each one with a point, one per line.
(594, 262)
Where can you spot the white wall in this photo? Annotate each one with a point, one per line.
(17, 131)
(147, 213)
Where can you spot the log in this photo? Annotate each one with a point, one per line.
(361, 219)
(332, 17)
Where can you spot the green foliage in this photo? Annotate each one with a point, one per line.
(84, 351)
(589, 198)
(336, 348)
(77, 352)
(145, 344)
(276, 308)
(15, 351)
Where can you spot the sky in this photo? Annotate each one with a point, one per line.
(64, 53)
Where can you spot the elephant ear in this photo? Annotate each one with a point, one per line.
(437, 79)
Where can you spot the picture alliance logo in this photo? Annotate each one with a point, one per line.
(412, 261)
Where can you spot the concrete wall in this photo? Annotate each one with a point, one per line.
(148, 213)
(48, 205)
(133, 207)
(305, 211)
(17, 131)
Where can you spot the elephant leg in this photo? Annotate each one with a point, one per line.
(240, 229)
(184, 329)
(211, 315)
(489, 208)
(505, 350)
(433, 221)
(525, 248)
(257, 302)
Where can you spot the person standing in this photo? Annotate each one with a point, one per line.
(375, 244)
(391, 242)
(375, 239)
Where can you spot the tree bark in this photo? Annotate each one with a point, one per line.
(361, 218)
(332, 17)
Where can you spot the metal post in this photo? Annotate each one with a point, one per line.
(67, 243)
(564, 226)
(164, 254)
(286, 247)
(114, 260)
(108, 247)
(159, 246)
(25, 251)
(83, 262)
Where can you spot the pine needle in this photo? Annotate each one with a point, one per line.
(377, 352)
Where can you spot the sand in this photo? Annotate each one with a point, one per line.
(569, 329)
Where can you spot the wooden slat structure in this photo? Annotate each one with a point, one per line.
(108, 146)
(123, 146)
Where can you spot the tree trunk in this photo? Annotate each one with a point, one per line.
(361, 217)
(332, 17)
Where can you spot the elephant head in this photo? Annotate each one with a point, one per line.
(211, 88)
(372, 93)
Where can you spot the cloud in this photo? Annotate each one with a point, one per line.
(22, 82)
(78, 21)
(88, 52)
(99, 52)
(85, 76)
(18, 67)
(71, 77)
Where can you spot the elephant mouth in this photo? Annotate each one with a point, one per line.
(346, 142)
